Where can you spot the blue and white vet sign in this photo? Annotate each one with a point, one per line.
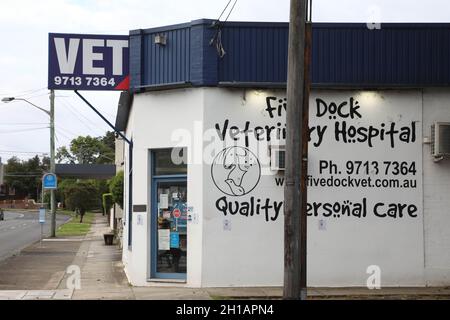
(88, 62)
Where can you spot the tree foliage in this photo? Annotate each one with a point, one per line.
(107, 202)
(89, 150)
(25, 175)
(81, 196)
(116, 188)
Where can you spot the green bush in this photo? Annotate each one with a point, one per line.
(107, 202)
(81, 196)
(116, 188)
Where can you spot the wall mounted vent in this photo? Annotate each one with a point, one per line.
(161, 39)
(440, 137)
(277, 158)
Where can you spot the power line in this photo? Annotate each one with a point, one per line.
(232, 8)
(217, 38)
(103, 111)
(218, 19)
(22, 130)
(71, 110)
(67, 131)
(37, 96)
(21, 123)
(63, 134)
(25, 92)
(24, 152)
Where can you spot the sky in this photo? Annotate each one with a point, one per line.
(25, 24)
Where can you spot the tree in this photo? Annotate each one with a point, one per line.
(89, 150)
(81, 196)
(116, 188)
(25, 175)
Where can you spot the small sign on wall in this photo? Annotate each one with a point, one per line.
(140, 220)
(192, 215)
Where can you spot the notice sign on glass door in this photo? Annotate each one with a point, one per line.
(164, 239)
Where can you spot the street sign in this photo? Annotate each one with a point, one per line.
(88, 62)
(49, 181)
(42, 215)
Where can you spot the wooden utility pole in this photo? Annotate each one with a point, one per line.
(299, 58)
(52, 164)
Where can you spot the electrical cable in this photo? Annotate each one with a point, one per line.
(87, 119)
(70, 109)
(217, 38)
(218, 19)
(24, 93)
(22, 130)
(22, 123)
(232, 8)
(21, 152)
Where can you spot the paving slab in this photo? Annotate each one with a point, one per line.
(12, 294)
(169, 293)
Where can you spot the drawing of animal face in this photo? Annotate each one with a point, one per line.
(239, 157)
(236, 171)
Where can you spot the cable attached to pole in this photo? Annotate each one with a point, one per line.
(217, 38)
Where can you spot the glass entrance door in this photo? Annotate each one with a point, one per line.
(169, 228)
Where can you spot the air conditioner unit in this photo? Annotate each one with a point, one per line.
(277, 158)
(440, 138)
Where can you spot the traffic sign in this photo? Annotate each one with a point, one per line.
(49, 181)
(176, 213)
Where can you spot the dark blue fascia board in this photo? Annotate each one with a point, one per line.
(172, 27)
(334, 25)
(203, 62)
(395, 25)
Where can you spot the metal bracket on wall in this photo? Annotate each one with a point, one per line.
(104, 119)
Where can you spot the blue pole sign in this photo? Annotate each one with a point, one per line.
(88, 62)
(49, 181)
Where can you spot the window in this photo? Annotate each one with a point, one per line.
(170, 161)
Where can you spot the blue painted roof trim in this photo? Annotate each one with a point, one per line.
(344, 55)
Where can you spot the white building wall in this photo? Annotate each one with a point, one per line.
(239, 250)
(163, 120)
(436, 178)
(250, 252)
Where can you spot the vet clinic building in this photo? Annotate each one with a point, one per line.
(204, 178)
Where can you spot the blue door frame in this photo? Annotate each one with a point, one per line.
(154, 227)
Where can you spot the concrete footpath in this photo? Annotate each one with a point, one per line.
(50, 270)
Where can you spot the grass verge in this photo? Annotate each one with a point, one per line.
(74, 227)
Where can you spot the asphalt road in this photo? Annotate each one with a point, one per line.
(20, 229)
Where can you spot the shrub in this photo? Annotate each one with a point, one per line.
(116, 188)
(107, 202)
